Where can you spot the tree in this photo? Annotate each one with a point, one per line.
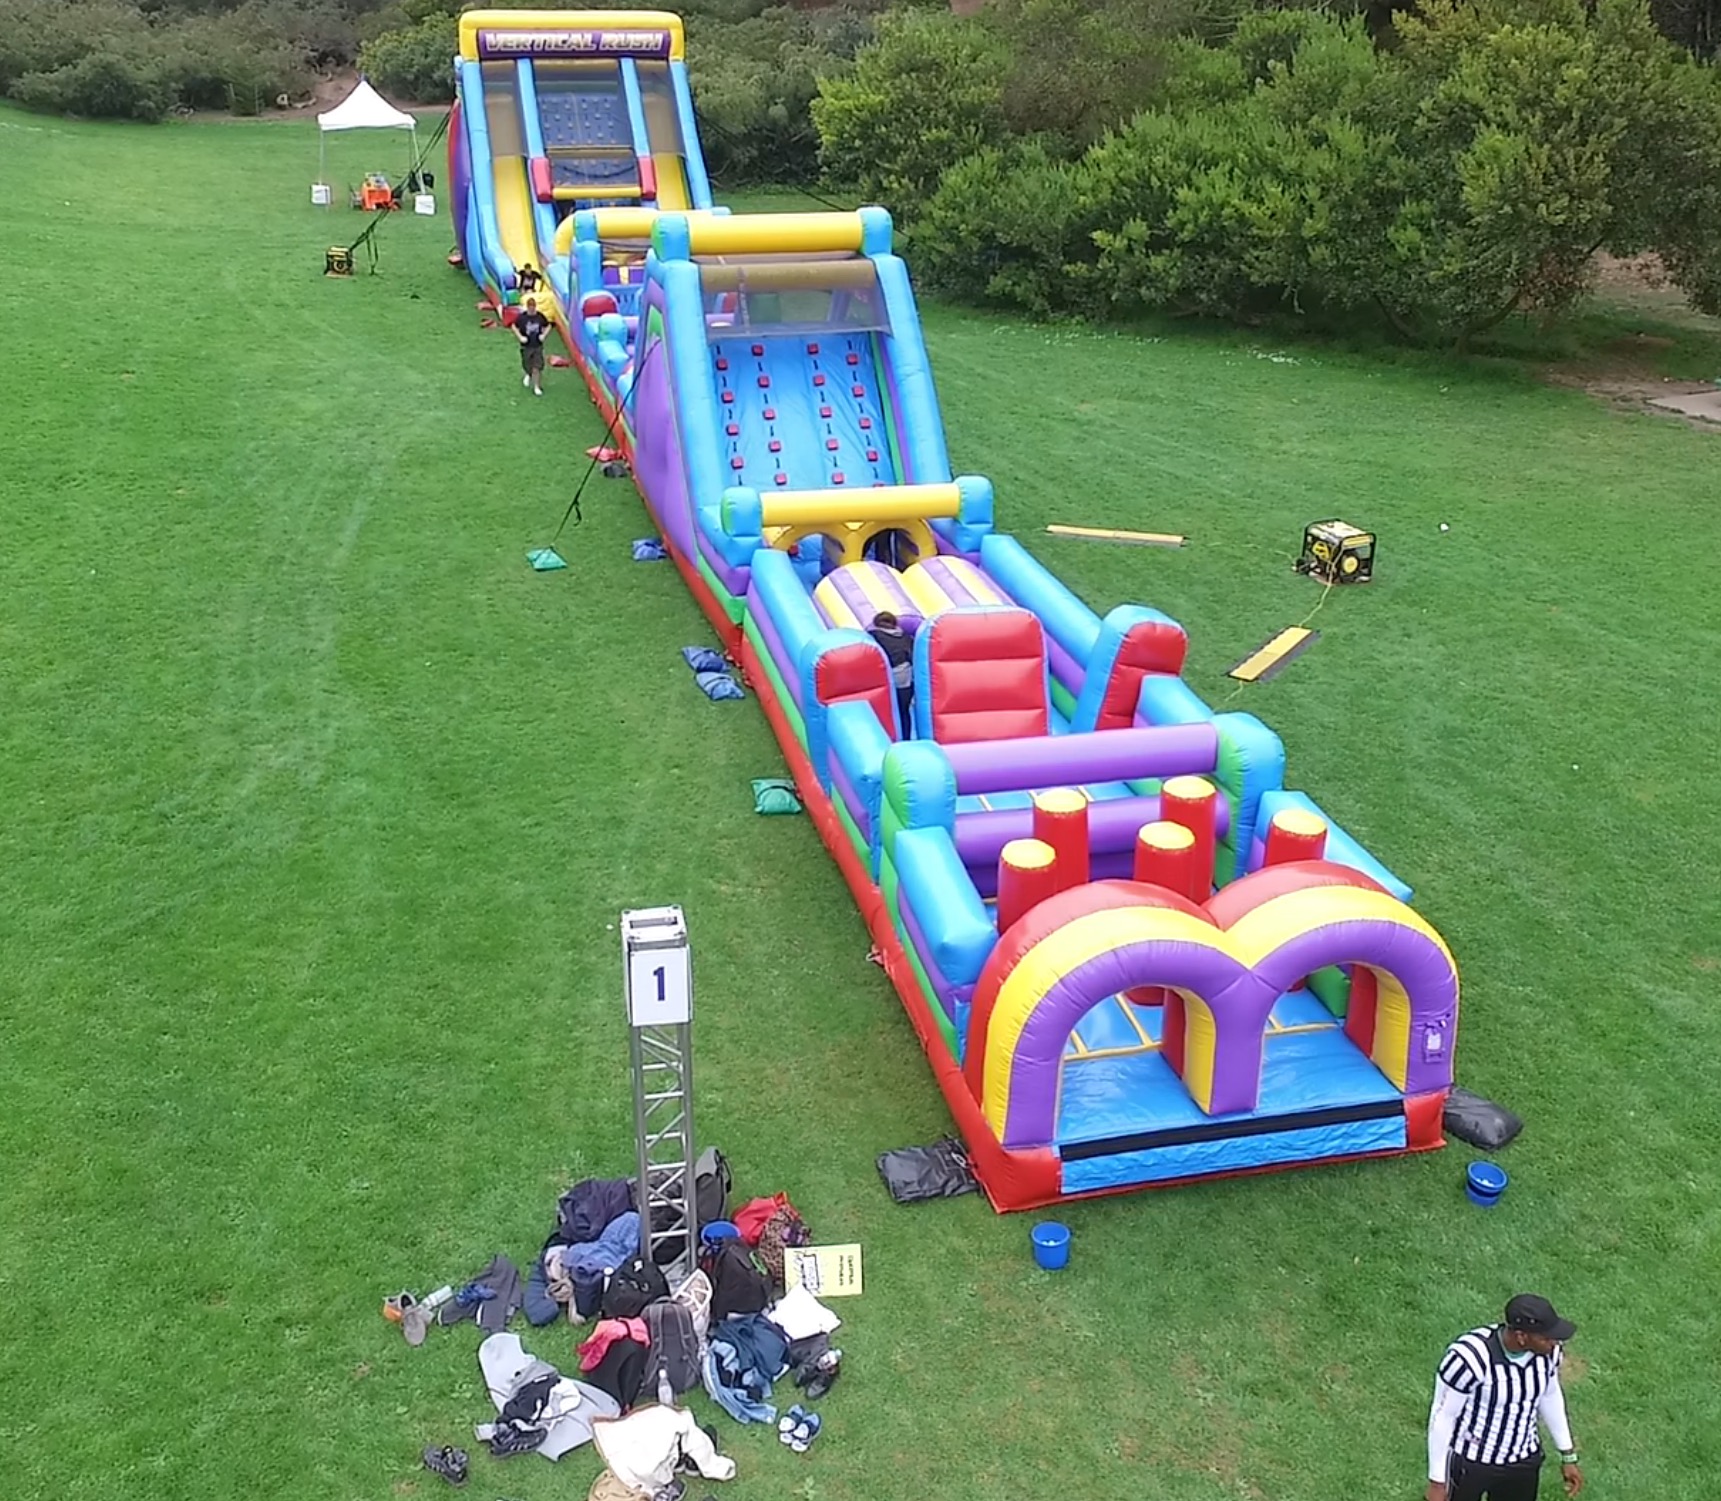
(926, 94)
(1468, 174)
(415, 62)
(1080, 67)
(1533, 133)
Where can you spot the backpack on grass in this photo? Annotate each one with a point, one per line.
(633, 1287)
(752, 1217)
(737, 1283)
(672, 1355)
(785, 1228)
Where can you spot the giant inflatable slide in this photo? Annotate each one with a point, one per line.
(1131, 954)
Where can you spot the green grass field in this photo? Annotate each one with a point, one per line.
(317, 805)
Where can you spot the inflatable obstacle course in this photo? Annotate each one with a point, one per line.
(1132, 955)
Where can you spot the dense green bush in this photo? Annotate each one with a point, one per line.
(1079, 67)
(754, 78)
(926, 94)
(99, 84)
(1683, 161)
(1006, 226)
(1238, 197)
(1467, 174)
(1530, 134)
(43, 36)
(1257, 198)
(237, 62)
(415, 62)
(107, 59)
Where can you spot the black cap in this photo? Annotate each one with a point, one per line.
(1530, 1314)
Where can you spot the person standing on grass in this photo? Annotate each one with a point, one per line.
(530, 328)
(1493, 1385)
(899, 653)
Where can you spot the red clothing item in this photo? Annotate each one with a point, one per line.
(607, 1332)
(752, 1217)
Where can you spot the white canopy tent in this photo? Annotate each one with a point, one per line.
(363, 109)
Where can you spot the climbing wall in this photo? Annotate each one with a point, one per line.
(585, 109)
(582, 111)
(802, 413)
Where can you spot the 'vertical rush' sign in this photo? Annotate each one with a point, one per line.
(494, 44)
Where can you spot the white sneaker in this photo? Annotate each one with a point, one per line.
(537, 390)
(525, 380)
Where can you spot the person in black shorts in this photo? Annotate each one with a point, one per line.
(529, 278)
(899, 653)
(530, 328)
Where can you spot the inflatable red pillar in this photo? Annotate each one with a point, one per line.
(1194, 803)
(1061, 820)
(1027, 875)
(1167, 854)
(1295, 834)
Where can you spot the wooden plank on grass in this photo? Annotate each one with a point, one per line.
(1275, 656)
(1107, 534)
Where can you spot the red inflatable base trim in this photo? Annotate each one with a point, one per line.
(1425, 1122)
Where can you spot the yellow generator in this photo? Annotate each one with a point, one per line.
(1335, 552)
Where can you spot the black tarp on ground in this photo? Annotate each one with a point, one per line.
(915, 1174)
(1479, 1122)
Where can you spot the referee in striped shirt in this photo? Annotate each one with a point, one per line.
(1492, 1386)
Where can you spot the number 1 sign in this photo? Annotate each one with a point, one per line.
(659, 977)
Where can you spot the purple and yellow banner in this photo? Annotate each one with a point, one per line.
(494, 43)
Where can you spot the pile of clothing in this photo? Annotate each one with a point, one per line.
(597, 1230)
(761, 1330)
(731, 1325)
(541, 1411)
(747, 1353)
(492, 1298)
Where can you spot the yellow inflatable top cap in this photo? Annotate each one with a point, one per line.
(1028, 854)
(1164, 835)
(571, 35)
(1061, 800)
(1301, 822)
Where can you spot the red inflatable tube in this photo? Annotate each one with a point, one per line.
(543, 184)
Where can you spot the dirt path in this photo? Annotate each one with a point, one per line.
(1627, 373)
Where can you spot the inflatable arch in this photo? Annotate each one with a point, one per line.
(849, 539)
(1224, 970)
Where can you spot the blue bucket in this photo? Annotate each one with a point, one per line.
(1052, 1246)
(1484, 1183)
(717, 1232)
